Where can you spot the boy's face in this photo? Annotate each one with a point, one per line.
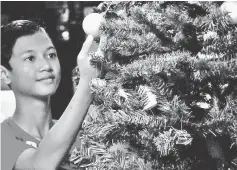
(35, 66)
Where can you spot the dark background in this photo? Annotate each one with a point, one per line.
(51, 14)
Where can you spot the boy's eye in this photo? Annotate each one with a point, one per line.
(52, 55)
(30, 58)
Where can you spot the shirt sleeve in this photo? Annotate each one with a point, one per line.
(11, 148)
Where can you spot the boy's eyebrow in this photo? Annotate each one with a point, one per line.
(26, 51)
(51, 47)
(29, 51)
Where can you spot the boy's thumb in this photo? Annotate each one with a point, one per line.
(86, 46)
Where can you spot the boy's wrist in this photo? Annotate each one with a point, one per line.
(84, 83)
(85, 80)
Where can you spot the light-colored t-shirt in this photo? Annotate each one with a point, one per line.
(14, 141)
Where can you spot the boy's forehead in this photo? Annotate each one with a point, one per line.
(37, 41)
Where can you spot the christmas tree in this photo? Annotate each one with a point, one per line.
(168, 98)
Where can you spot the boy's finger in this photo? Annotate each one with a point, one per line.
(86, 46)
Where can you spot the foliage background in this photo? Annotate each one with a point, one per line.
(168, 100)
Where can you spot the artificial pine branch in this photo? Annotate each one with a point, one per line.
(170, 87)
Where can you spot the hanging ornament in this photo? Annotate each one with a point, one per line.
(150, 101)
(210, 35)
(231, 8)
(91, 24)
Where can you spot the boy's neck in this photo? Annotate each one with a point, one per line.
(33, 115)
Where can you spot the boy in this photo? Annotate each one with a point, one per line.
(30, 67)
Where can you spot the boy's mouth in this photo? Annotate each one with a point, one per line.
(46, 78)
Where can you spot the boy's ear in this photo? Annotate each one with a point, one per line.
(5, 76)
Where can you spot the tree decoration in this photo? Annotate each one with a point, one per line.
(230, 8)
(150, 98)
(91, 24)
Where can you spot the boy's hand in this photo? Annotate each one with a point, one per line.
(87, 71)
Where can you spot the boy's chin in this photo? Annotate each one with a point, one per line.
(46, 93)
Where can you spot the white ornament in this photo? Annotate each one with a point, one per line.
(91, 24)
(151, 98)
(231, 8)
(203, 105)
(210, 35)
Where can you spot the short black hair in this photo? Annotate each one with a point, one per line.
(11, 32)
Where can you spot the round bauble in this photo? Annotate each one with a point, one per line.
(231, 8)
(91, 24)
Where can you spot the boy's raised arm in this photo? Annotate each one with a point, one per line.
(61, 136)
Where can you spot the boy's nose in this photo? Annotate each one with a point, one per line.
(45, 65)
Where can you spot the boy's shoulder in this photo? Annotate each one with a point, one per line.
(6, 129)
(11, 131)
(12, 144)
